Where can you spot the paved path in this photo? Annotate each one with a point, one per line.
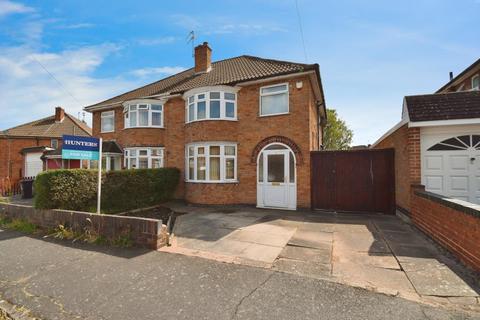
(57, 280)
(376, 252)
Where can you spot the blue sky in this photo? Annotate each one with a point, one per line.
(371, 52)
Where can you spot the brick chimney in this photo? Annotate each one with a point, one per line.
(59, 114)
(203, 58)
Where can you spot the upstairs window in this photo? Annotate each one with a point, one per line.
(211, 105)
(143, 115)
(144, 158)
(108, 121)
(274, 100)
(476, 82)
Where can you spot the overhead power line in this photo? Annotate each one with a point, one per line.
(301, 30)
(57, 81)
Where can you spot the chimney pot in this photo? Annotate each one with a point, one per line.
(59, 114)
(203, 58)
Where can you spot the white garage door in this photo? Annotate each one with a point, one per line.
(452, 168)
(33, 164)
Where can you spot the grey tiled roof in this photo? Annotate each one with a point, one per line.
(48, 128)
(444, 106)
(224, 72)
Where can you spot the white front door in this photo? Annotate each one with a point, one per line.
(276, 185)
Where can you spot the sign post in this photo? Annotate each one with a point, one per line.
(99, 195)
(85, 148)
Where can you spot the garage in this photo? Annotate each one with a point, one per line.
(33, 164)
(451, 162)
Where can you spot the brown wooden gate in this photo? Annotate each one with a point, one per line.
(357, 181)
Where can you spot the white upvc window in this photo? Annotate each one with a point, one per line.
(212, 104)
(476, 82)
(144, 158)
(107, 121)
(213, 162)
(274, 100)
(143, 115)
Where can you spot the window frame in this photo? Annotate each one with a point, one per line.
(127, 157)
(223, 160)
(192, 99)
(139, 106)
(54, 142)
(287, 91)
(104, 115)
(477, 76)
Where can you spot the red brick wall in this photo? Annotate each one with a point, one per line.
(456, 230)
(11, 160)
(406, 142)
(300, 126)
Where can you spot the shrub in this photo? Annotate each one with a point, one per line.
(138, 188)
(66, 189)
(121, 190)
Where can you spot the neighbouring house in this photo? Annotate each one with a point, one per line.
(240, 130)
(437, 141)
(22, 147)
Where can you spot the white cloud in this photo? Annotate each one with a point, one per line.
(226, 25)
(9, 7)
(77, 26)
(156, 41)
(29, 92)
(156, 71)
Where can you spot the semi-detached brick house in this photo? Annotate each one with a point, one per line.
(240, 130)
(437, 142)
(22, 147)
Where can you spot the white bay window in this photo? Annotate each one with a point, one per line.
(144, 158)
(211, 162)
(211, 104)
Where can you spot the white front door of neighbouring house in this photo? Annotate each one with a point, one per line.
(33, 164)
(276, 181)
(452, 168)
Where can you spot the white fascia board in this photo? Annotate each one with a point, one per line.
(452, 122)
(389, 132)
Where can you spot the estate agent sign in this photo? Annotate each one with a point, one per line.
(85, 148)
(81, 148)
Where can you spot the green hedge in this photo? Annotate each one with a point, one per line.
(121, 190)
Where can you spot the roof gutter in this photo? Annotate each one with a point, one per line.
(119, 103)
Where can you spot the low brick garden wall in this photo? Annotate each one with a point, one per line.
(144, 232)
(453, 223)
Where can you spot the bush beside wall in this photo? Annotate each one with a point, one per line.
(121, 190)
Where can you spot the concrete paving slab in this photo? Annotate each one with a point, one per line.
(276, 240)
(430, 277)
(369, 277)
(310, 239)
(364, 241)
(307, 254)
(268, 228)
(260, 252)
(229, 247)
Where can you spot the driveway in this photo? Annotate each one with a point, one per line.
(376, 252)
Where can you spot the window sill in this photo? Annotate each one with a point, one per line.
(274, 114)
(212, 182)
(147, 127)
(107, 131)
(202, 120)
